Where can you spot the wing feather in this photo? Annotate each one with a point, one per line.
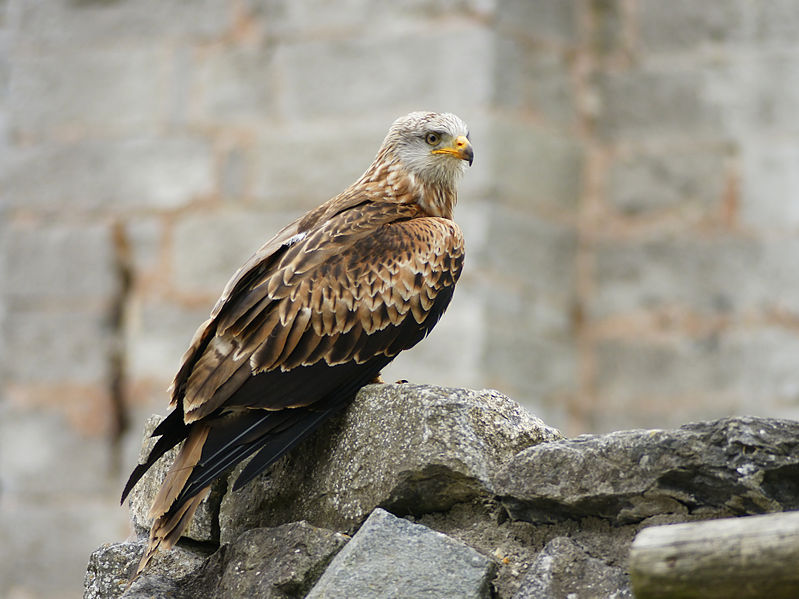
(308, 321)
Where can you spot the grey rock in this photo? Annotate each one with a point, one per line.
(392, 557)
(732, 466)
(204, 527)
(412, 449)
(564, 570)
(267, 563)
(154, 587)
(112, 566)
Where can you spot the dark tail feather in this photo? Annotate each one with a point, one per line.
(278, 445)
(172, 431)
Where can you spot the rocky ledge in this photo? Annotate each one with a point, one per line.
(420, 491)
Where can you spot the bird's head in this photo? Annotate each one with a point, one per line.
(432, 146)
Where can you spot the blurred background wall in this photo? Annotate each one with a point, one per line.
(632, 216)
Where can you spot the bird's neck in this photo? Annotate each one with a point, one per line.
(438, 200)
(400, 185)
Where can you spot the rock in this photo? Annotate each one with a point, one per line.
(154, 587)
(733, 466)
(110, 568)
(205, 525)
(113, 565)
(459, 462)
(412, 449)
(392, 557)
(267, 563)
(563, 569)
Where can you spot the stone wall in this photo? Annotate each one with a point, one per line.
(630, 218)
(451, 493)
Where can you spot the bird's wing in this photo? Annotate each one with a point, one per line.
(303, 329)
(349, 291)
(298, 335)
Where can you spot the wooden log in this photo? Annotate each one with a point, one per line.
(752, 556)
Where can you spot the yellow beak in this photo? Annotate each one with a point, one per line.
(460, 148)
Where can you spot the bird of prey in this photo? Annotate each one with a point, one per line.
(313, 316)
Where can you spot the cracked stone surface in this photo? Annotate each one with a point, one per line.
(732, 466)
(411, 449)
(392, 557)
(552, 517)
(564, 569)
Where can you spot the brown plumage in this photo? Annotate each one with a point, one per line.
(312, 316)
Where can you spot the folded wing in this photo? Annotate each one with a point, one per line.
(296, 334)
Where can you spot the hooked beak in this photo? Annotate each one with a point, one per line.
(460, 148)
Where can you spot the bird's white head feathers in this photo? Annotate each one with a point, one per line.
(433, 147)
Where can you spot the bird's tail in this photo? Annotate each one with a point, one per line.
(171, 519)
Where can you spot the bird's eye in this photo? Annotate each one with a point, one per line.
(432, 138)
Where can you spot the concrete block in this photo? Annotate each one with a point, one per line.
(747, 371)
(767, 83)
(83, 272)
(684, 26)
(136, 174)
(41, 450)
(210, 247)
(234, 176)
(391, 557)
(770, 185)
(297, 167)
(535, 81)
(3, 286)
(5, 63)
(690, 181)
(532, 253)
(144, 237)
(157, 334)
(776, 23)
(537, 366)
(715, 275)
(541, 20)
(56, 347)
(535, 169)
(59, 24)
(236, 83)
(120, 89)
(608, 34)
(317, 18)
(28, 529)
(445, 69)
(528, 286)
(674, 102)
